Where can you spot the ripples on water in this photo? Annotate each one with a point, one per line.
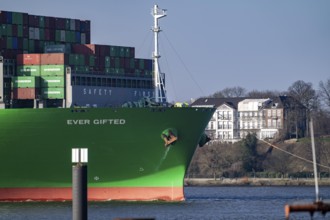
(201, 203)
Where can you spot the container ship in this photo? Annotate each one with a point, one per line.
(58, 92)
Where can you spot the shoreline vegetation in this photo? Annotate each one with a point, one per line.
(250, 181)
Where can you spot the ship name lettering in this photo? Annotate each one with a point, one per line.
(78, 122)
(109, 121)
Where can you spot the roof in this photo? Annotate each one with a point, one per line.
(216, 102)
(275, 102)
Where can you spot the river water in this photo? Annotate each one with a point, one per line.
(201, 203)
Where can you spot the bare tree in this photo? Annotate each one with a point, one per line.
(305, 94)
(324, 92)
(230, 92)
(263, 94)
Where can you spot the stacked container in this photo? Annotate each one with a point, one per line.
(52, 73)
(27, 82)
(109, 59)
(24, 33)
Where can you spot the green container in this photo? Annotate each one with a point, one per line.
(132, 63)
(17, 18)
(92, 60)
(107, 61)
(68, 36)
(114, 51)
(67, 24)
(41, 34)
(52, 81)
(117, 62)
(19, 30)
(9, 30)
(52, 70)
(52, 93)
(77, 59)
(31, 46)
(127, 52)
(41, 22)
(25, 44)
(9, 43)
(25, 82)
(81, 60)
(122, 52)
(58, 35)
(119, 71)
(28, 70)
(141, 64)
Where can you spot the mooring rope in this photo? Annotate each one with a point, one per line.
(294, 155)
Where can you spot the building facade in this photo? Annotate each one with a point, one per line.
(267, 118)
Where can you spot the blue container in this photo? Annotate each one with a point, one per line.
(9, 17)
(15, 43)
(78, 37)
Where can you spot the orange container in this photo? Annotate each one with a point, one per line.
(24, 93)
(53, 59)
(28, 59)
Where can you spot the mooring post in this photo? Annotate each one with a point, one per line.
(79, 184)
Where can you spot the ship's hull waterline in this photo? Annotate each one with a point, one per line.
(127, 159)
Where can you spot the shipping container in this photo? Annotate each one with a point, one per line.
(31, 46)
(59, 23)
(52, 81)
(17, 18)
(53, 59)
(52, 70)
(52, 93)
(57, 48)
(28, 70)
(114, 51)
(28, 59)
(72, 24)
(41, 21)
(25, 93)
(26, 82)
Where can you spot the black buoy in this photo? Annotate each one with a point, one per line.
(79, 192)
(79, 184)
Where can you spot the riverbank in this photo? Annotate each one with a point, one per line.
(245, 181)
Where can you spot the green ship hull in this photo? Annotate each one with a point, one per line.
(127, 159)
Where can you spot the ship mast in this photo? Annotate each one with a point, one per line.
(160, 92)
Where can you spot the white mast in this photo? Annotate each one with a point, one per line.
(160, 92)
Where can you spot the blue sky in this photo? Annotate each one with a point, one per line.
(210, 45)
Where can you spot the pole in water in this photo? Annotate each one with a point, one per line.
(79, 184)
(314, 162)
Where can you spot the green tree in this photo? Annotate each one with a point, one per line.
(250, 155)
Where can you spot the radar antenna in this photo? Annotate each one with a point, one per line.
(159, 81)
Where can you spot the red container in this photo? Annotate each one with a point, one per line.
(14, 30)
(47, 22)
(28, 59)
(3, 43)
(60, 23)
(88, 38)
(83, 49)
(33, 21)
(51, 22)
(25, 19)
(2, 17)
(24, 93)
(20, 43)
(52, 34)
(77, 23)
(26, 31)
(53, 59)
(47, 34)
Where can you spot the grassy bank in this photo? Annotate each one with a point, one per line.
(245, 181)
